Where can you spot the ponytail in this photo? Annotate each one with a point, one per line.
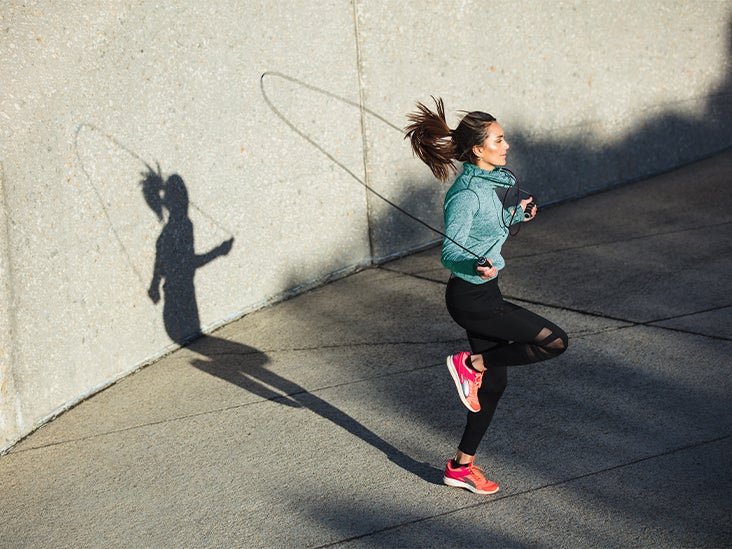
(437, 145)
(431, 139)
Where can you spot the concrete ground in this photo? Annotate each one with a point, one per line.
(326, 420)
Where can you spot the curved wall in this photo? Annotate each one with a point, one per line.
(253, 125)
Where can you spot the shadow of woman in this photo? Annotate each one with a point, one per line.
(244, 367)
(176, 261)
(175, 266)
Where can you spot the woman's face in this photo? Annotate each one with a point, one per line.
(492, 152)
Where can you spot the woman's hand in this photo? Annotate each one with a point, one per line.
(486, 273)
(525, 206)
(154, 293)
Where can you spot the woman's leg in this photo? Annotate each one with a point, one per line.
(490, 392)
(533, 339)
(501, 334)
(527, 338)
(518, 335)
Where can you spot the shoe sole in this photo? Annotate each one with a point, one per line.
(456, 380)
(460, 484)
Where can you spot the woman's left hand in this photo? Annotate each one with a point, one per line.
(486, 273)
(525, 206)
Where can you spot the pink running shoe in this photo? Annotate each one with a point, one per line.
(467, 381)
(470, 477)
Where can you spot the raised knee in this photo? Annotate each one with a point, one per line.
(558, 345)
(562, 342)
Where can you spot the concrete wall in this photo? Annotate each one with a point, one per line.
(270, 114)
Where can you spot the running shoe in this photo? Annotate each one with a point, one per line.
(467, 381)
(470, 477)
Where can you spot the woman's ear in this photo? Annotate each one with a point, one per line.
(477, 151)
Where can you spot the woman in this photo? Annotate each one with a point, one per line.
(500, 334)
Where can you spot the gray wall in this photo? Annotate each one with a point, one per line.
(590, 93)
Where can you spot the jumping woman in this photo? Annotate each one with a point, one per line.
(500, 334)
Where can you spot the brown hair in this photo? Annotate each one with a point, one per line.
(437, 145)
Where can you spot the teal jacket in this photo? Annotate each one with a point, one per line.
(476, 219)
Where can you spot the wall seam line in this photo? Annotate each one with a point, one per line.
(362, 116)
(7, 439)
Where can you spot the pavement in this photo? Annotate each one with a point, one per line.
(326, 420)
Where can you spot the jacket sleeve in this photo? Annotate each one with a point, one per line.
(460, 211)
(510, 218)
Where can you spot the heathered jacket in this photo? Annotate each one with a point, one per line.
(476, 219)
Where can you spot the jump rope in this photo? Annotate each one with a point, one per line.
(482, 261)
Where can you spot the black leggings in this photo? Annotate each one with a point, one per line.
(505, 335)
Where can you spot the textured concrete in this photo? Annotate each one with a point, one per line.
(326, 420)
(272, 116)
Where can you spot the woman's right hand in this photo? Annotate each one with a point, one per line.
(486, 273)
(154, 293)
(525, 205)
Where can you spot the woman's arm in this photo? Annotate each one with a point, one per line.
(222, 249)
(460, 209)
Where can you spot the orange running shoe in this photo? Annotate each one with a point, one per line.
(467, 381)
(470, 477)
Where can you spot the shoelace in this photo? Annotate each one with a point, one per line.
(474, 392)
(477, 471)
(479, 379)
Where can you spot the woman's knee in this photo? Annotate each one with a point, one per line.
(556, 342)
(560, 343)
